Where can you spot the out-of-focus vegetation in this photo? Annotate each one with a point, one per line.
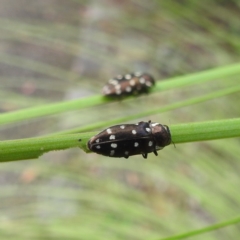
(53, 51)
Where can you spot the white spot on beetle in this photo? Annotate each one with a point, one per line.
(106, 90)
(112, 137)
(149, 84)
(98, 146)
(134, 132)
(122, 127)
(128, 89)
(119, 76)
(154, 124)
(113, 81)
(126, 153)
(150, 143)
(109, 131)
(136, 144)
(132, 82)
(118, 92)
(113, 145)
(112, 152)
(142, 80)
(97, 141)
(128, 76)
(137, 74)
(118, 86)
(148, 129)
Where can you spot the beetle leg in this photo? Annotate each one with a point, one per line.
(144, 155)
(155, 152)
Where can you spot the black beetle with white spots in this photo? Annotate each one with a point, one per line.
(129, 84)
(131, 139)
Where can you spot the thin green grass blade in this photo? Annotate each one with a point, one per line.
(204, 230)
(200, 77)
(50, 109)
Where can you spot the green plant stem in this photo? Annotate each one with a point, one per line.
(203, 131)
(50, 109)
(34, 147)
(200, 77)
(190, 132)
(60, 107)
(204, 230)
